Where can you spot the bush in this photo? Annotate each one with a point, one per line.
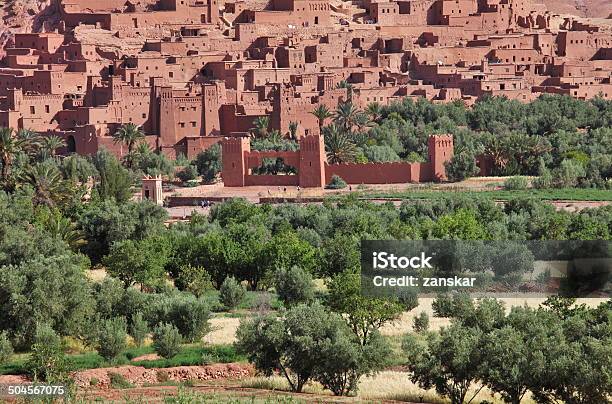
(408, 298)
(47, 362)
(231, 293)
(209, 163)
(516, 183)
(193, 279)
(139, 329)
(421, 322)
(336, 182)
(118, 381)
(6, 348)
(294, 286)
(44, 289)
(166, 340)
(112, 338)
(188, 314)
(188, 173)
(456, 306)
(309, 342)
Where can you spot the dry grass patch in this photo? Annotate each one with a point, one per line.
(279, 383)
(390, 385)
(404, 324)
(223, 331)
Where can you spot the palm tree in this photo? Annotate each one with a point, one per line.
(374, 110)
(293, 127)
(31, 141)
(346, 116)
(349, 89)
(62, 228)
(10, 145)
(48, 184)
(50, 144)
(338, 146)
(362, 121)
(261, 124)
(129, 134)
(322, 113)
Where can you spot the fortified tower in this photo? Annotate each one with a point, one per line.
(152, 189)
(441, 150)
(312, 162)
(234, 161)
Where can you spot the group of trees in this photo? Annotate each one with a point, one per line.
(564, 140)
(560, 352)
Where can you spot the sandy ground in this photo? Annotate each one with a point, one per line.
(224, 328)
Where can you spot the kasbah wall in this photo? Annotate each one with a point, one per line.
(190, 73)
(314, 171)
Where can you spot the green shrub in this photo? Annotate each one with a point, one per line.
(209, 163)
(187, 313)
(408, 298)
(6, 348)
(188, 173)
(139, 328)
(516, 183)
(111, 339)
(458, 305)
(47, 361)
(118, 381)
(231, 293)
(193, 279)
(421, 322)
(336, 182)
(294, 286)
(166, 340)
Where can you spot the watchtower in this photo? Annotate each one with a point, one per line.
(441, 150)
(152, 189)
(312, 162)
(234, 160)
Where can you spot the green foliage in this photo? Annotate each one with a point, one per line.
(457, 305)
(53, 290)
(188, 314)
(115, 182)
(208, 163)
(193, 279)
(77, 168)
(118, 381)
(294, 286)
(309, 343)
(188, 173)
(514, 183)
(449, 362)
(111, 339)
(141, 261)
(364, 315)
(6, 348)
(139, 329)
(338, 146)
(336, 182)
(166, 340)
(421, 322)
(47, 362)
(152, 163)
(105, 223)
(381, 154)
(231, 293)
